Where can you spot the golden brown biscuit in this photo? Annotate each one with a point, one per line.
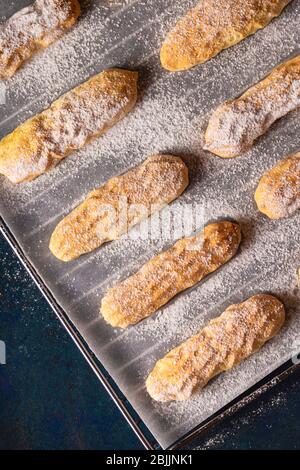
(225, 342)
(212, 26)
(32, 28)
(124, 201)
(278, 192)
(80, 115)
(171, 272)
(235, 125)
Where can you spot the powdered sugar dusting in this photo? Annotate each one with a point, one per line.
(213, 26)
(78, 116)
(235, 125)
(31, 28)
(170, 117)
(278, 192)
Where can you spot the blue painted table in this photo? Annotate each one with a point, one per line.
(50, 399)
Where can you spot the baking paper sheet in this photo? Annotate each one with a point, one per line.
(171, 114)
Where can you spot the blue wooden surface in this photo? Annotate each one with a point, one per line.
(50, 399)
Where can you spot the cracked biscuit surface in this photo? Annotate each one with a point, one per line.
(80, 115)
(235, 125)
(212, 26)
(171, 272)
(118, 205)
(32, 28)
(225, 342)
(278, 192)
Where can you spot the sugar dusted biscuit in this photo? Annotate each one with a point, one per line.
(80, 115)
(278, 192)
(32, 28)
(225, 342)
(235, 125)
(100, 218)
(212, 26)
(171, 272)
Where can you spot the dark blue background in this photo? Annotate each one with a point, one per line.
(50, 399)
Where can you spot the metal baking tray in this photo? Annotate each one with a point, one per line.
(170, 117)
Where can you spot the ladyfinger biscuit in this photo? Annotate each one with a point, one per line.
(278, 192)
(171, 272)
(235, 125)
(32, 28)
(80, 115)
(124, 201)
(212, 26)
(225, 342)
